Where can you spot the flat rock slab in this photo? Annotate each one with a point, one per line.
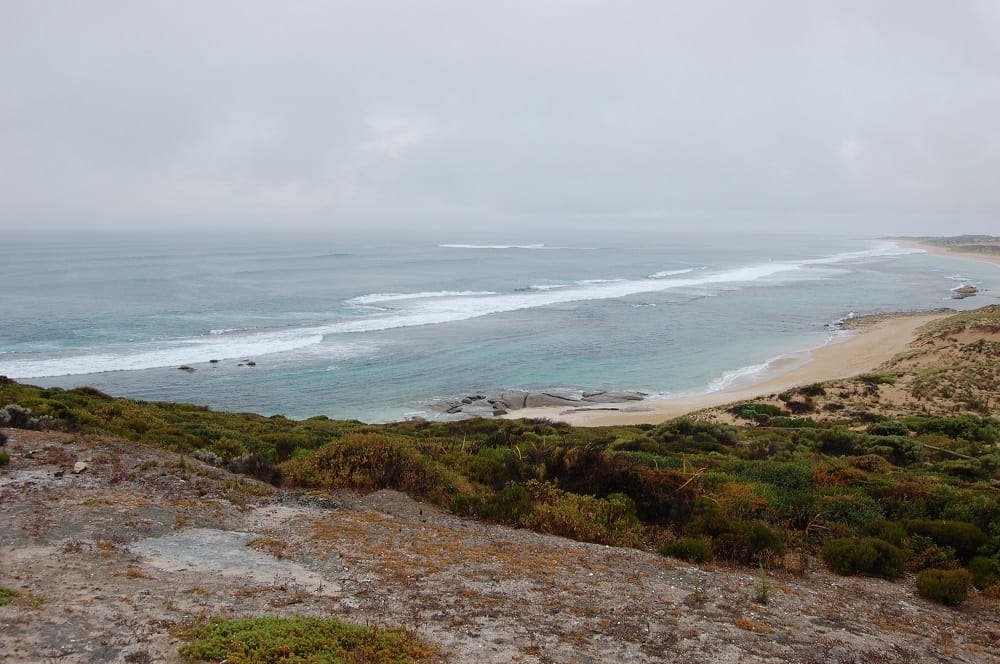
(225, 552)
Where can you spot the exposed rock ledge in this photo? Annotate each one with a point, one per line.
(504, 401)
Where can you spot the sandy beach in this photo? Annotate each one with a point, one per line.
(855, 353)
(945, 251)
(876, 342)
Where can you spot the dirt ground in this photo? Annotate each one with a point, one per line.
(111, 560)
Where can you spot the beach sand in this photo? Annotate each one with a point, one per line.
(944, 251)
(854, 354)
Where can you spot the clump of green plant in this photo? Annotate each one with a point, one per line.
(985, 571)
(947, 586)
(964, 538)
(4, 458)
(756, 412)
(302, 640)
(369, 462)
(6, 594)
(888, 428)
(864, 555)
(892, 532)
(691, 549)
(611, 520)
(761, 588)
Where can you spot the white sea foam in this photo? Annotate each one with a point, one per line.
(545, 287)
(743, 375)
(176, 352)
(672, 273)
(392, 297)
(227, 330)
(415, 309)
(493, 246)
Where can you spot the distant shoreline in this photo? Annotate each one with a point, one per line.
(877, 342)
(943, 250)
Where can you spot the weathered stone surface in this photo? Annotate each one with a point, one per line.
(503, 402)
(542, 399)
(613, 397)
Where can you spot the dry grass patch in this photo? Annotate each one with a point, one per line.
(751, 625)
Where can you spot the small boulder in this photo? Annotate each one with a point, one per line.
(186, 368)
(79, 467)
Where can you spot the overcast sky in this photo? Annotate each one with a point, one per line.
(874, 116)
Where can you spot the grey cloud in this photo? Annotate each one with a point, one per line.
(329, 115)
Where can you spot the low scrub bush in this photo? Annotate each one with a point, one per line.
(691, 549)
(306, 640)
(964, 538)
(888, 428)
(733, 539)
(756, 412)
(892, 532)
(611, 520)
(864, 555)
(509, 505)
(4, 458)
(369, 462)
(792, 423)
(947, 586)
(985, 571)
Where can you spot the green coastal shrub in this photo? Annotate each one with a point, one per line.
(947, 586)
(865, 555)
(509, 505)
(369, 462)
(4, 458)
(306, 640)
(756, 412)
(6, 594)
(892, 532)
(888, 428)
(733, 539)
(964, 538)
(985, 571)
(610, 520)
(691, 549)
(924, 553)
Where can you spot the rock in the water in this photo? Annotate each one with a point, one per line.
(79, 467)
(966, 290)
(186, 368)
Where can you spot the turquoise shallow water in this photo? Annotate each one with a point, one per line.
(372, 328)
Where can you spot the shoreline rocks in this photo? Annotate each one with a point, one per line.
(502, 402)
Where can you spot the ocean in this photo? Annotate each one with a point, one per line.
(378, 328)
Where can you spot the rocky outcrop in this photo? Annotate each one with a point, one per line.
(966, 290)
(502, 402)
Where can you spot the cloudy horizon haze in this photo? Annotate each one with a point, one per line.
(781, 115)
